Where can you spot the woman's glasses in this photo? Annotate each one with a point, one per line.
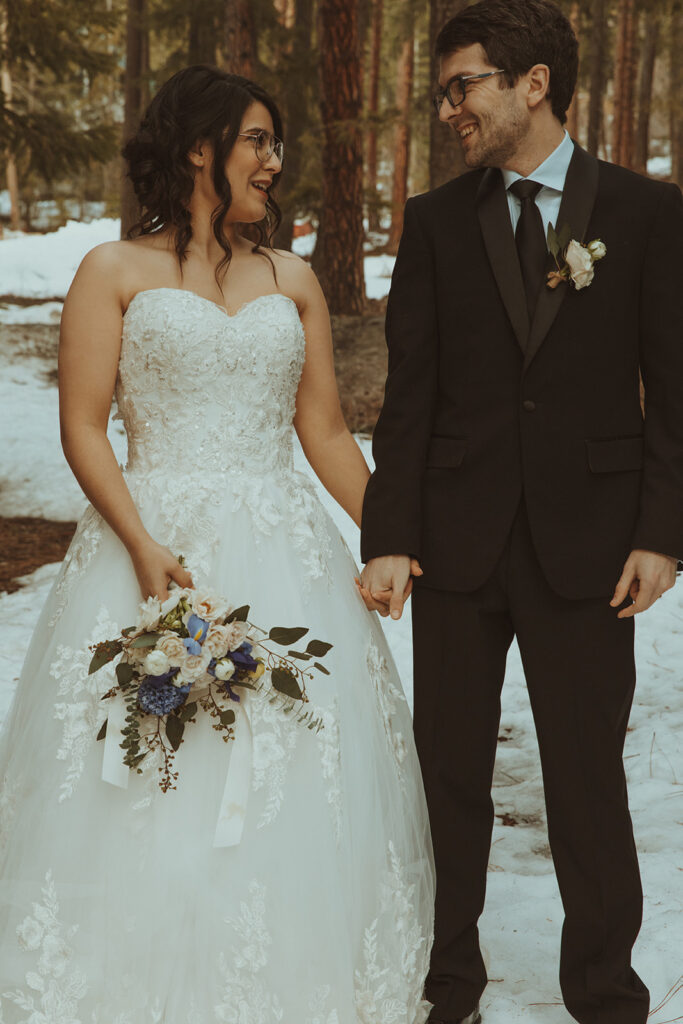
(265, 145)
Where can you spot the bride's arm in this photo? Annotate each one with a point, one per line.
(328, 445)
(89, 347)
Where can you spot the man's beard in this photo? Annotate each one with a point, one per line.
(497, 140)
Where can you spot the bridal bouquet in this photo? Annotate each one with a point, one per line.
(192, 653)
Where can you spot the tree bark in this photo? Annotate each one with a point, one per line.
(676, 92)
(647, 74)
(573, 112)
(373, 110)
(239, 38)
(598, 56)
(404, 90)
(296, 120)
(10, 164)
(446, 158)
(626, 67)
(201, 43)
(135, 96)
(338, 256)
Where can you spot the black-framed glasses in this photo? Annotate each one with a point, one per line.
(456, 88)
(265, 145)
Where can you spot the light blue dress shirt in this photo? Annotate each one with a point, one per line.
(551, 175)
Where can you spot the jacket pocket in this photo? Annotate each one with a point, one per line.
(446, 452)
(615, 455)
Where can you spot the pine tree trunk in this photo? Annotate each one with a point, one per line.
(404, 90)
(10, 164)
(239, 38)
(295, 116)
(598, 56)
(373, 110)
(676, 92)
(135, 96)
(201, 43)
(446, 158)
(647, 74)
(626, 67)
(338, 256)
(573, 112)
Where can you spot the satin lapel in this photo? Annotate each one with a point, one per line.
(496, 228)
(578, 199)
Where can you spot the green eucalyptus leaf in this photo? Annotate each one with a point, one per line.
(553, 241)
(124, 673)
(227, 717)
(321, 668)
(174, 731)
(128, 630)
(187, 711)
(284, 636)
(285, 682)
(146, 640)
(564, 237)
(104, 653)
(318, 648)
(103, 730)
(239, 614)
(303, 655)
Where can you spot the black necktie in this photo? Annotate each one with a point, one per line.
(530, 239)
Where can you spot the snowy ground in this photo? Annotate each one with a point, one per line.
(521, 927)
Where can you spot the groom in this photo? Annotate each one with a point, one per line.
(514, 462)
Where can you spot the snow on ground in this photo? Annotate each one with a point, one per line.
(42, 266)
(521, 927)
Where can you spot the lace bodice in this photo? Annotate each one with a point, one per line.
(201, 391)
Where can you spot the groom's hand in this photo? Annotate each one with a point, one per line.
(386, 583)
(646, 576)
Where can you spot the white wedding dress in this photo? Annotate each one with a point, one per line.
(129, 906)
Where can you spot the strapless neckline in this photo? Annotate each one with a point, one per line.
(210, 302)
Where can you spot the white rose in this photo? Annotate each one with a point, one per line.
(580, 264)
(225, 670)
(597, 249)
(218, 640)
(208, 606)
(173, 647)
(29, 933)
(149, 614)
(156, 663)
(193, 666)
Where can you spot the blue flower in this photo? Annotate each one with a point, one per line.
(197, 628)
(211, 669)
(242, 658)
(157, 695)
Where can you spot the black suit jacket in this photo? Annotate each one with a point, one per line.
(481, 406)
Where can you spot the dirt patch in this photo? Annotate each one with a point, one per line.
(360, 362)
(27, 543)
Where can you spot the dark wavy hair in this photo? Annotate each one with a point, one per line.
(199, 102)
(516, 34)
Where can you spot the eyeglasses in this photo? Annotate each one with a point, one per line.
(456, 88)
(265, 145)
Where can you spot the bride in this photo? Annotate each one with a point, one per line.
(120, 904)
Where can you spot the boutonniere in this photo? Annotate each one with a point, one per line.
(574, 261)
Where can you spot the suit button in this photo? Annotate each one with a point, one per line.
(528, 405)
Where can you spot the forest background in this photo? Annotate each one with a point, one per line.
(354, 79)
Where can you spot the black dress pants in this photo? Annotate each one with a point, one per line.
(580, 673)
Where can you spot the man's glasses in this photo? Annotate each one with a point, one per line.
(265, 145)
(456, 88)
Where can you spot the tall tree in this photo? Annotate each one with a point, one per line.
(676, 91)
(338, 256)
(404, 91)
(573, 112)
(647, 74)
(135, 95)
(373, 112)
(10, 162)
(239, 31)
(446, 158)
(202, 32)
(626, 68)
(597, 74)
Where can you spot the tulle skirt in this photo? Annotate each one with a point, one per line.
(119, 905)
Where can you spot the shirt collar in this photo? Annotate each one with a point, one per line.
(553, 171)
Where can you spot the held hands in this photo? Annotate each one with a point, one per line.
(386, 583)
(646, 576)
(155, 567)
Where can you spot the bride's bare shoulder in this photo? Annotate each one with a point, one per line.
(295, 276)
(120, 266)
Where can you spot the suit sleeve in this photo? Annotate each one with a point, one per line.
(660, 522)
(392, 515)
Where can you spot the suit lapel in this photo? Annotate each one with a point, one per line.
(499, 240)
(578, 199)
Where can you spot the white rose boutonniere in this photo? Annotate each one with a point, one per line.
(575, 262)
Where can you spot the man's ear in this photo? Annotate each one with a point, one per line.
(538, 84)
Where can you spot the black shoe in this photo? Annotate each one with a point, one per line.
(472, 1018)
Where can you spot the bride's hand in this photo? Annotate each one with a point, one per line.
(155, 567)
